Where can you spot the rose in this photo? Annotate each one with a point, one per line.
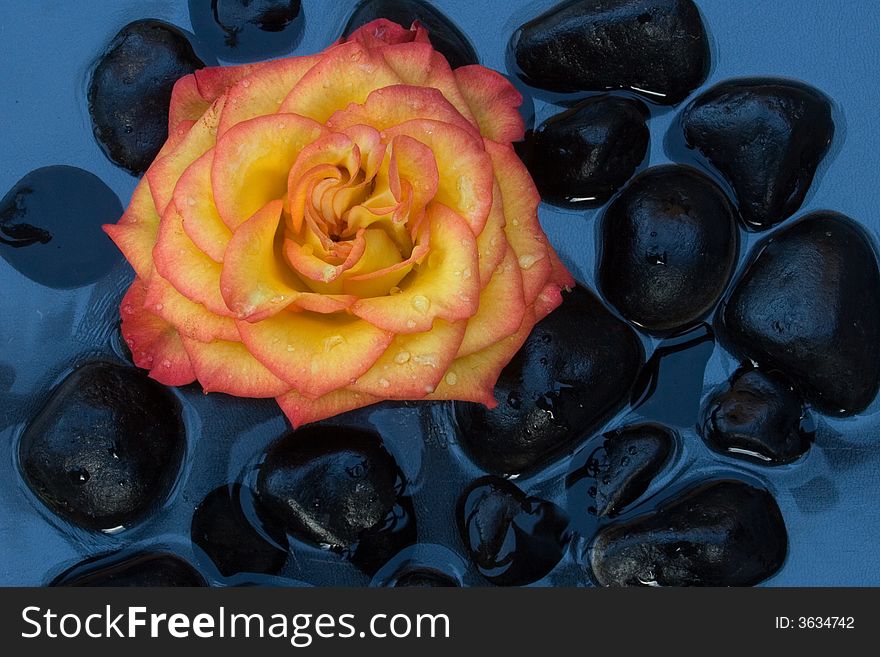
(338, 229)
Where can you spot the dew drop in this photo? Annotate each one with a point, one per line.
(451, 378)
(333, 341)
(526, 261)
(385, 383)
(402, 357)
(421, 303)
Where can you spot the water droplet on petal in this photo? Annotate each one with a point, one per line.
(333, 341)
(421, 303)
(451, 378)
(385, 383)
(526, 261)
(402, 357)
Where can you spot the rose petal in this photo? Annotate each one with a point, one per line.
(346, 74)
(135, 232)
(262, 92)
(225, 366)
(473, 377)
(155, 345)
(252, 161)
(502, 308)
(194, 201)
(315, 353)
(382, 32)
(494, 102)
(465, 170)
(189, 318)
(254, 282)
(492, 241)
(301, 410)
(434, 289)
(413, 365)
(523, 230)
(188, 269)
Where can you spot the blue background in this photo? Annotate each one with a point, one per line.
(829, 498)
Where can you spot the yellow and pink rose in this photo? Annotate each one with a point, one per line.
(338, 229)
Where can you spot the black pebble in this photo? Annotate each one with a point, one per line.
(623, 467)
(657, 48)
(808, 304)
(130, 90)
(583, 155)
(106, 448)
(721, 533)
(247, 30)
(140, 569)
(229, 537)
(669, 247)
(574, 371)
(758, 415)
(50, 227)
(445, 36)
(338, 487)
(424, 578)
(513, 539)
(767, 137)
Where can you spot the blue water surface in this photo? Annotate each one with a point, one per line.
(829, 498)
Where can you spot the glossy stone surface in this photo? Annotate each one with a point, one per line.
(766, 136)
(513, 539)
(657, 48)
(247, 30)
(582, 156)
(106, 448)
(139, 569)
(719, 533)
(624, 466)
(669, 247)
(445, 36)
(758, 415)
(424, 578)
(231, 539)
(338, 487)
(130, 89)
(808, 304)
(50, 227)
(575, 370)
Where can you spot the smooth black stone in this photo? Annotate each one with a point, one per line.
(583, 155)
(721, 533)
(656, 48)
(228, 536)
(247, 30)
(338, 487)
(670, 385)
(767, 137)
(106, 448)
(513, 539)
(424, 578)
(624, 466)
(141, 569)
(574, 371)
(669, 247)
(445, 36)
(50, 226)
(808, 304)
(130, 90)
(758, 415)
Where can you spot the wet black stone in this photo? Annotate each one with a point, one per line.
(624, 466)
(670, 385)
(767, 137)
(669, 247)
(721, 533)
(230, 538)
(141, 569)
(106, 448)
(131, 87)
(574, 371)
(657, 48)
(445, 36)
(808, 304)
(338, 487)
(513, 539)
(50, 226)
(758, 415)
(247, 30)
(424, 578)
(583, 155)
